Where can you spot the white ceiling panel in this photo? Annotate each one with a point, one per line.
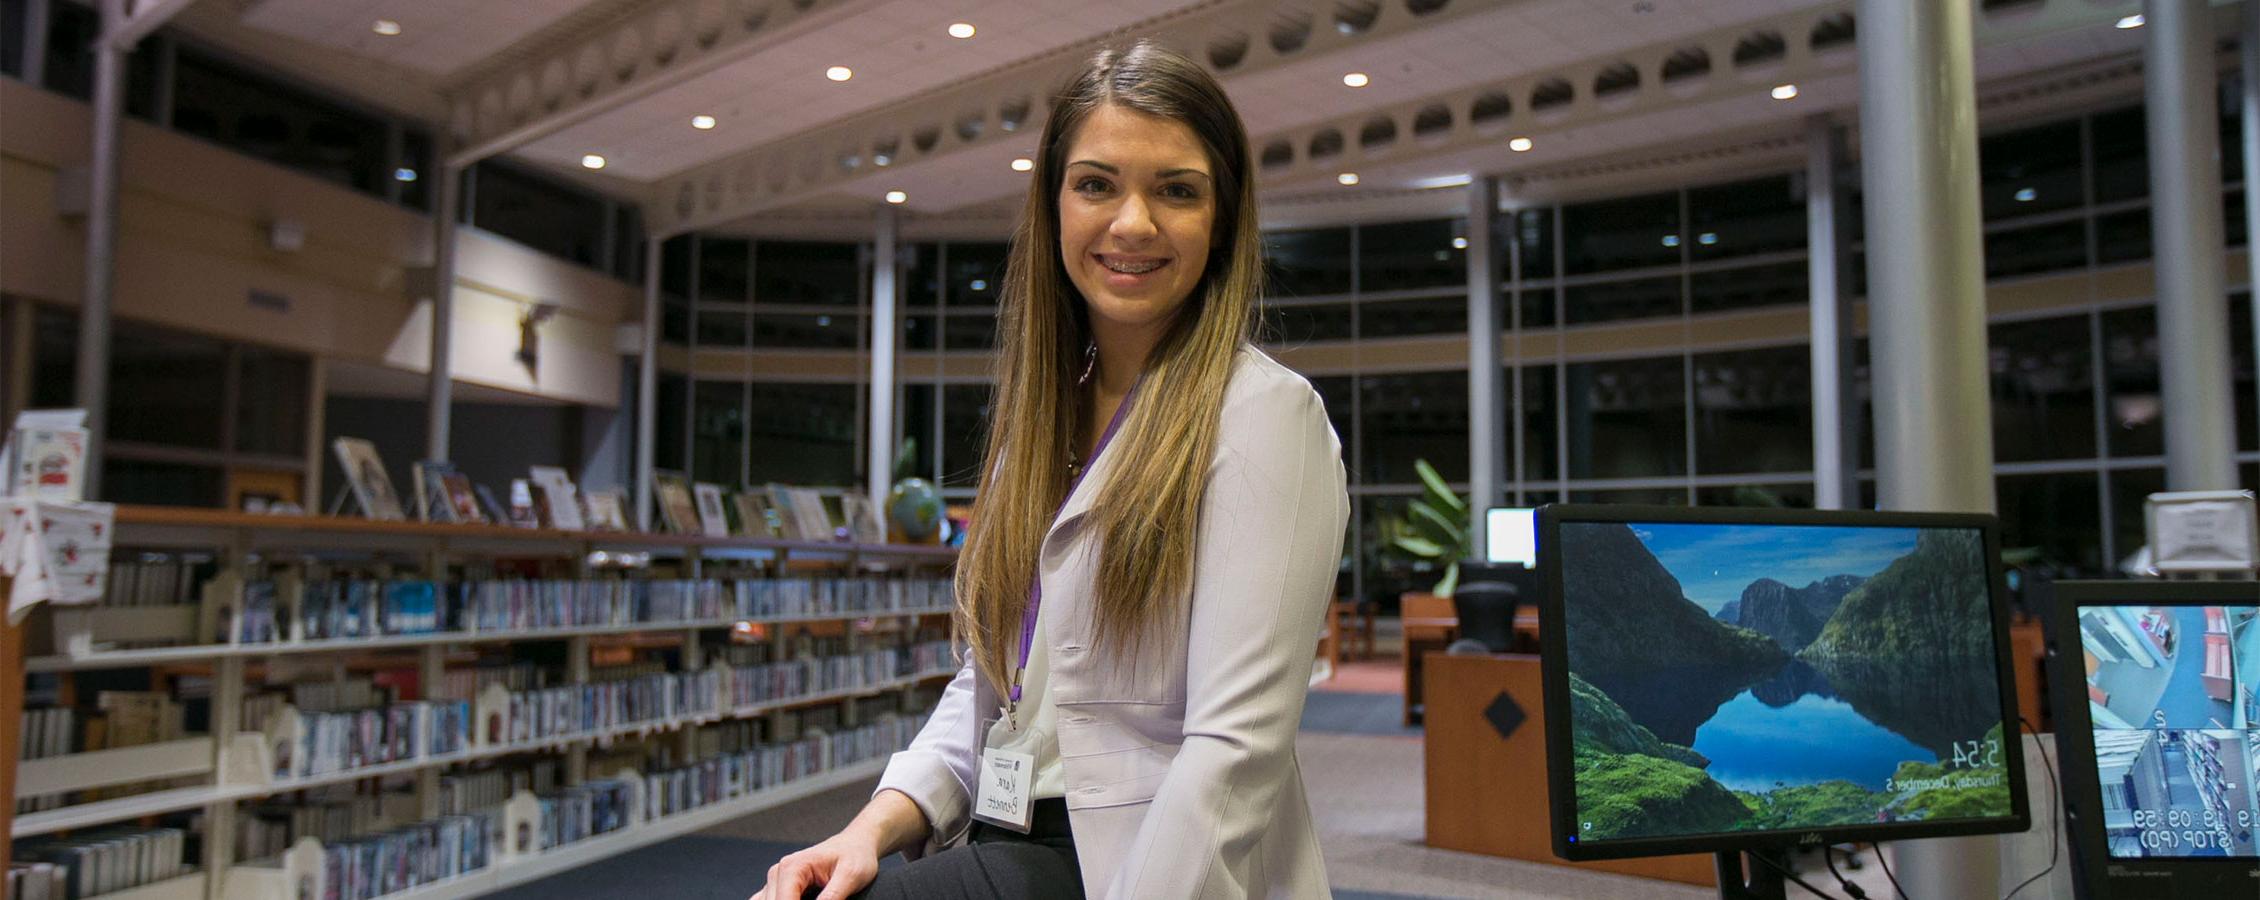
(440, 37)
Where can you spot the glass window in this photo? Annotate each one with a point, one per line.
(1610, 301)
(1335, 392)
(1537, 307)
(1761, 215)
(1301, 323)
(261, 118)
(1636, 496)
(969, 330)
(2043, 390)
(628, 243)
(1533, 229)
(675, 267)
(1398, 318)
(668, 417)
(2058, 513)
(164, 387)
(2130, 489)
(416, 163)
(976, 274)
(920, 332)
(803, 433)
(917, 402)
(722, 269)
(2233, 223)
(271, 402)
(718, 431)
(553, 218)
(2229, 103)
(1794, 495)
(2122, 155)
(1409, 416)
(2133, 404)
(965, 425)
(1754, 411)
(722, 328)
(1627, 418)
(1407, 255)
(841, 331)
(159, 483)
(1310, 263)
(1749, 287)
(675, 322)
(71, 32)
(2122, 236)
(1624, 233)
(2241, 369)
(54, 359)
(2038, 248)
(2030, 170)
(1541, 447)
(922, 276)
(12, 38)
(1388, 571)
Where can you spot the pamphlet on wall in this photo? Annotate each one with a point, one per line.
(45, 455)
(57, 552)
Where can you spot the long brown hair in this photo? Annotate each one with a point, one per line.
(1147, 512)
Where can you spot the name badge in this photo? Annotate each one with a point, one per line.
(1007, 778)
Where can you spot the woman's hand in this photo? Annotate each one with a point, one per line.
(843, 864)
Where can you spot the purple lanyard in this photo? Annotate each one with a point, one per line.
(1036, 585)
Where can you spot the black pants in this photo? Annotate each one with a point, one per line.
(994, 863)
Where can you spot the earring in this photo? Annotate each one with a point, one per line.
(1090, 361)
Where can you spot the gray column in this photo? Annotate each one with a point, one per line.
(1926, 307)
(885, 322)
(2248, 53)
(1836, 443)
(439, 403)
(647, 383)
(101, 243)
(2185, 226)
(1483, 398)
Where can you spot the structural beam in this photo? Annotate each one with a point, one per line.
(93, 387)
(439, 401)
(885, 324)
(142, 19)
(647, 383)
(1486, 404)
(2185, 228)
(2248, 54)
(1836, 423)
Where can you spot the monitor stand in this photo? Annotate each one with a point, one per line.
(1764, 881)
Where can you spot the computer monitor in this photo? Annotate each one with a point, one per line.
(2157, 708)
(1743, 680)
(1511, 535)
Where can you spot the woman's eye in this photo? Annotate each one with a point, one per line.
(1091, 186)
(1180, 192)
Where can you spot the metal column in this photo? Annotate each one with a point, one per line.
(439, 404)
(647, 383)
(2248, 53)
(1926, 307)
(2185, 227)
(1483, 397)
(885, 316)
(1836, 443)
(93, 388)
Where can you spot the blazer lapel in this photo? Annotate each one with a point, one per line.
(1079, 501)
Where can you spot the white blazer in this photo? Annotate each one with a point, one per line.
(1180, 770)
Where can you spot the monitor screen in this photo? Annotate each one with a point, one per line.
(1735, 682)
(1512, 535)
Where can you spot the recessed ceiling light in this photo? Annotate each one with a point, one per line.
(1347, 178)
(592, 161)
(897, 197)
(839, 73)
(2026, 195)
(1784, 91)
(1519, 145)
(702, 123)
(1444, 181)
(961, 30)
(389, 28)
(1707, 238)
(1459, 243)
(1023, 164)
(2133, 21)
(404, 174)
(1356, 79)
(1671, 240)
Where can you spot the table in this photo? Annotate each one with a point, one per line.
(1428, 633)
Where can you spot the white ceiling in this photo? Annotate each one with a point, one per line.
(343, 378)
(438, 37)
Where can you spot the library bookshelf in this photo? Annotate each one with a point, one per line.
(805, 663)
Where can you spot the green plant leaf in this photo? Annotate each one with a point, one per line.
(1435, 525)
(2017, 556)
(1438, 489)
(904, 456)
(1451, 581)
(1419, 547)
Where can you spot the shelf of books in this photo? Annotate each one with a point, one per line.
(284, 707)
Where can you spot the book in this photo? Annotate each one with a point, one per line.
(676, 508)
(753, 515)
(607, 510)
(463, 502)
(493, 508)
(429, 479)
(862, 519)
(372, 488)
(44, 457)
(560, 505)
(712, 520)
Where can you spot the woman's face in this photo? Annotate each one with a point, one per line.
(1137, 206)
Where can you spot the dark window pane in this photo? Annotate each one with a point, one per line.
(1625, 233)
(718, 431)
(2233, 222)
(1406, 255)
(669, 413)
(2030, 170)
(675, 323)
(1388, 572)
(803, 433)
(965, 425)
(141, 79)
(919, 332)
(271, 408)
(1541, 447)
(553, 218)
(12, 38)
(922, 277)
(1643, 298)
(1397, 318)
(2130, 488)
(918, 409)
(2038, 248)
(722, 270)
(2230, 103)
(2122, 236)
(628, 243)
(165, 386)
(2241, 366)
(1794, 494)
(1308, 263)
(2133, 405)
(1336, 392)
(1754, 411)
(1627, 418)
(1761, 215)
(2043, 390)
(2057, 513)
(71, 32)
(1533, 230)
(54, 359)
(258, 117)
(675, 267)
(976, 274)
(2122, 155)
(1302, 323)
(1410, 416)
(1535, 306)
(1775, 284)
(416, 163)
(1633, 496)
(159, 483)
(839, 332)
(968, 330)
(722, 328)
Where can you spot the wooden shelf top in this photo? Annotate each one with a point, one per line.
(130, 517)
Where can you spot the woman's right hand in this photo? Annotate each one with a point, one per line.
(843, 864)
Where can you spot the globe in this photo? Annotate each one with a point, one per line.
(915, 508)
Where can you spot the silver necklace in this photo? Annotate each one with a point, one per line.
(1090, 363)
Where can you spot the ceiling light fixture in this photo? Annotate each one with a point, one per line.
(1444, 181)
(2133, 21)
(390, 28)
(839, 73)
(404, 174)
(1707, 238)
(1347, 178)
(1459, 243)
(592, 161)
(961, 30)
(1023, 164)
(1356, 79)
(897, 197)
(703, 123)
(1784, 92)
(1519, 145)
(1671, 240)
(2026, 195)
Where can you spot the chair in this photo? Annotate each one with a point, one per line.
(1353, 629)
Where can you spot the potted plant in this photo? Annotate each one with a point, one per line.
(1435, 529)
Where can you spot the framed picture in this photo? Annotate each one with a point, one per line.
(753, 515)
(863, 519)
(461, 497)
(608, 510)
(372, 488)
(676, 509)
(713, 520)
(808, 510)
(553, 492)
